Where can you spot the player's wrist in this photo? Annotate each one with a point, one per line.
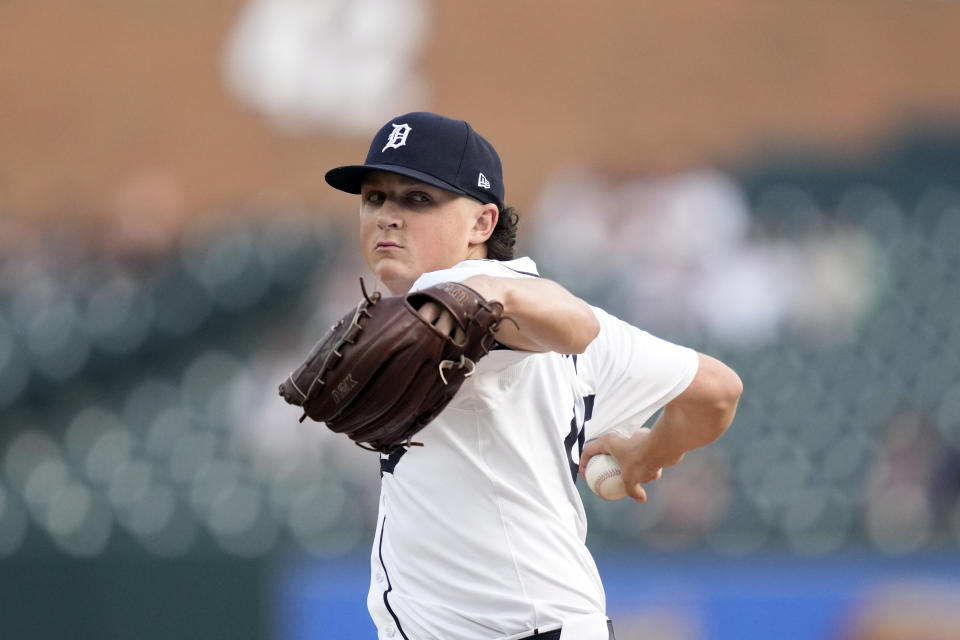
(486, 286)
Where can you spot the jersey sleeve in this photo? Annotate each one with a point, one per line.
(631, 374)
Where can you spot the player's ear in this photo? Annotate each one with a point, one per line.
(484, 223)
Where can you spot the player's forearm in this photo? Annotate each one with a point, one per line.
(700, 414)
(547, 316)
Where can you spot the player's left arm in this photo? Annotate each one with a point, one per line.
(695, 418)
(547, 316)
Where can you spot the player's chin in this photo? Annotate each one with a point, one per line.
(396, 274)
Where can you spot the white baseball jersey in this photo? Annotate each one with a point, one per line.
(481, 531)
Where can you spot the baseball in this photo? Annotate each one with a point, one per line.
(603, 477)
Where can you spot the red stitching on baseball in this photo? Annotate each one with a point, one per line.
(606, 475)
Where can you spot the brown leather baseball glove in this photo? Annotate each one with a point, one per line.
(384, 371)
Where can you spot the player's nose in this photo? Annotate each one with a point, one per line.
(389, 216)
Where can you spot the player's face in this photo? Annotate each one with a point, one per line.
(408, 228)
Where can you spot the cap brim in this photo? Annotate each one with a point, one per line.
(350, 178)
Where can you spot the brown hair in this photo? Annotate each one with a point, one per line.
(502, 243)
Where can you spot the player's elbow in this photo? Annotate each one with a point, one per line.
(585, 329)
(727, 389)
(711, 399)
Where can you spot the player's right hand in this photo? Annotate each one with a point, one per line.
(636, 455)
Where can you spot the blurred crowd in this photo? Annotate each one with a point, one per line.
(842, 320)
(138, 405)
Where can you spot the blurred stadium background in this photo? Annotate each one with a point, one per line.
(777, 184)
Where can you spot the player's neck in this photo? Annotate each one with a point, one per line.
(476, 251)
(399, 287)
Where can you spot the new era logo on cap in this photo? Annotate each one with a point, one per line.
(433, 149)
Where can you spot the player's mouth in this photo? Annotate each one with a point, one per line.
(388, 246)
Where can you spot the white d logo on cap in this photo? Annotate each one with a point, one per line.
(397, 137)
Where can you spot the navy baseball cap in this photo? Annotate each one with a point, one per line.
(432, 149)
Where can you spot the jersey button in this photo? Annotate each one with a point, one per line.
(380, 577)
(391, 631)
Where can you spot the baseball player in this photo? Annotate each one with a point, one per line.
(481, 531)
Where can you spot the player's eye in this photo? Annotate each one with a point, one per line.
(373, 197)
(419, 197)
